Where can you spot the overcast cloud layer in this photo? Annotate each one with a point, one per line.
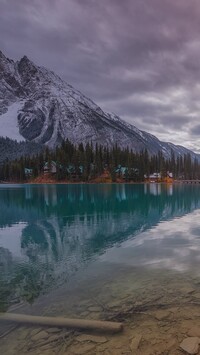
(137, 58)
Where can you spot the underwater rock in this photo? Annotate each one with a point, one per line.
(194, 332)
(160, 315)
(135, 342)
(190, 345)
(93, 338)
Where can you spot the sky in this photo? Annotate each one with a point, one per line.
(137, 58)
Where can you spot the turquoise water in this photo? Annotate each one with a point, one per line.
(55, 237)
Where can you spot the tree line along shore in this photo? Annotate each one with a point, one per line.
(95, 163)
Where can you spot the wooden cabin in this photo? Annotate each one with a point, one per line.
(50, 167)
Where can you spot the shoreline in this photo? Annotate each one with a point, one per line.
(84, 183)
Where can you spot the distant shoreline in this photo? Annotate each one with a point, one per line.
(84, 183)
(71, 183)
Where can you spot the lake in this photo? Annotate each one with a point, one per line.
(117, 252)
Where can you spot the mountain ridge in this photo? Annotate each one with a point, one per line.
(38, 106)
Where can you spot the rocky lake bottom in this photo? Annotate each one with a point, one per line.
(158, 309)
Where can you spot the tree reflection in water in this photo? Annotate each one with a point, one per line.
(69, 226)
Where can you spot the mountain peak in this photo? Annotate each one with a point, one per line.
(25, 59)
(26, 64)
(5, 63)
(41, 107)
(1, 54)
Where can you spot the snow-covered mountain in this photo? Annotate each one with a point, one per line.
(36, 105)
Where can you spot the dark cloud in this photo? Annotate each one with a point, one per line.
(137, 58)
(195, 131)
(176, 122)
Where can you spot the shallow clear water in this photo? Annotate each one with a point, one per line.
(95, 250)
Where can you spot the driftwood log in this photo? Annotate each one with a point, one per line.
(111, 327)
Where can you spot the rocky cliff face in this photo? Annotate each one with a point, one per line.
(36, 105)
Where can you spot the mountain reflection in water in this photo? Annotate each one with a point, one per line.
(49, 232)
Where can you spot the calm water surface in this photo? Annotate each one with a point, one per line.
(49, 234)
(68, 248)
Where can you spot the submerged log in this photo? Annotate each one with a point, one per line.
(112, 327)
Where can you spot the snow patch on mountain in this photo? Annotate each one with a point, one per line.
(9, 123)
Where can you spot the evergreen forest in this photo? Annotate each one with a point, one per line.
(88, 162)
